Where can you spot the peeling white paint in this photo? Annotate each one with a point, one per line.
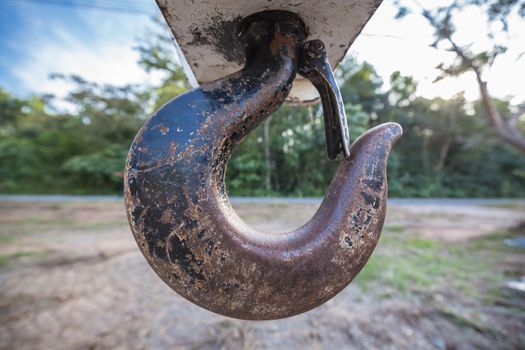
(336, 22)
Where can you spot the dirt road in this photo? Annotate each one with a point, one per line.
(71, 277)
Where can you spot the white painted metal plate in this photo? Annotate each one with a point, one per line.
(205, 33)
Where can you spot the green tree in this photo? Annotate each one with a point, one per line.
(157, 54)
(447, 149)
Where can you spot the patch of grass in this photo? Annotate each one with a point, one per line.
(55, 206)
(494, 242)
(409, 263)
(431, 215)
(372, 271)
(23, 254)
(100, 226)
(395, 228)
(463, 321)
(422, 243)
(7, 238)
(34, 225)
(6, 259)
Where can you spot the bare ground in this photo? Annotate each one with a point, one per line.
(71, 277)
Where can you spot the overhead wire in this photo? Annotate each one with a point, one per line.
(124, 6)
(108, 5)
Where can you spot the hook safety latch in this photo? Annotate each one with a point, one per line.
(314, 65)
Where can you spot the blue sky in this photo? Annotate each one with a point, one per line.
(39, 39)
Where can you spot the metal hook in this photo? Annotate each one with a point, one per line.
(179, 212)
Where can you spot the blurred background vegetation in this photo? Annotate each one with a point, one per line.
(448, 148)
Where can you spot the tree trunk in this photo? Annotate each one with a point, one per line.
(267, 154)
(508, 130)
(445, 147)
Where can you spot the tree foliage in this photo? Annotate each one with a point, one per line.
(447, 148)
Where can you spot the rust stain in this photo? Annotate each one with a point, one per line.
(188, 232)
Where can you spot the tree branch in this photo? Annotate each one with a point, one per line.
(508, 130)
(514, 119)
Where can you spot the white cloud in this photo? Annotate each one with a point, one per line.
(104, 54)
(112, 64)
